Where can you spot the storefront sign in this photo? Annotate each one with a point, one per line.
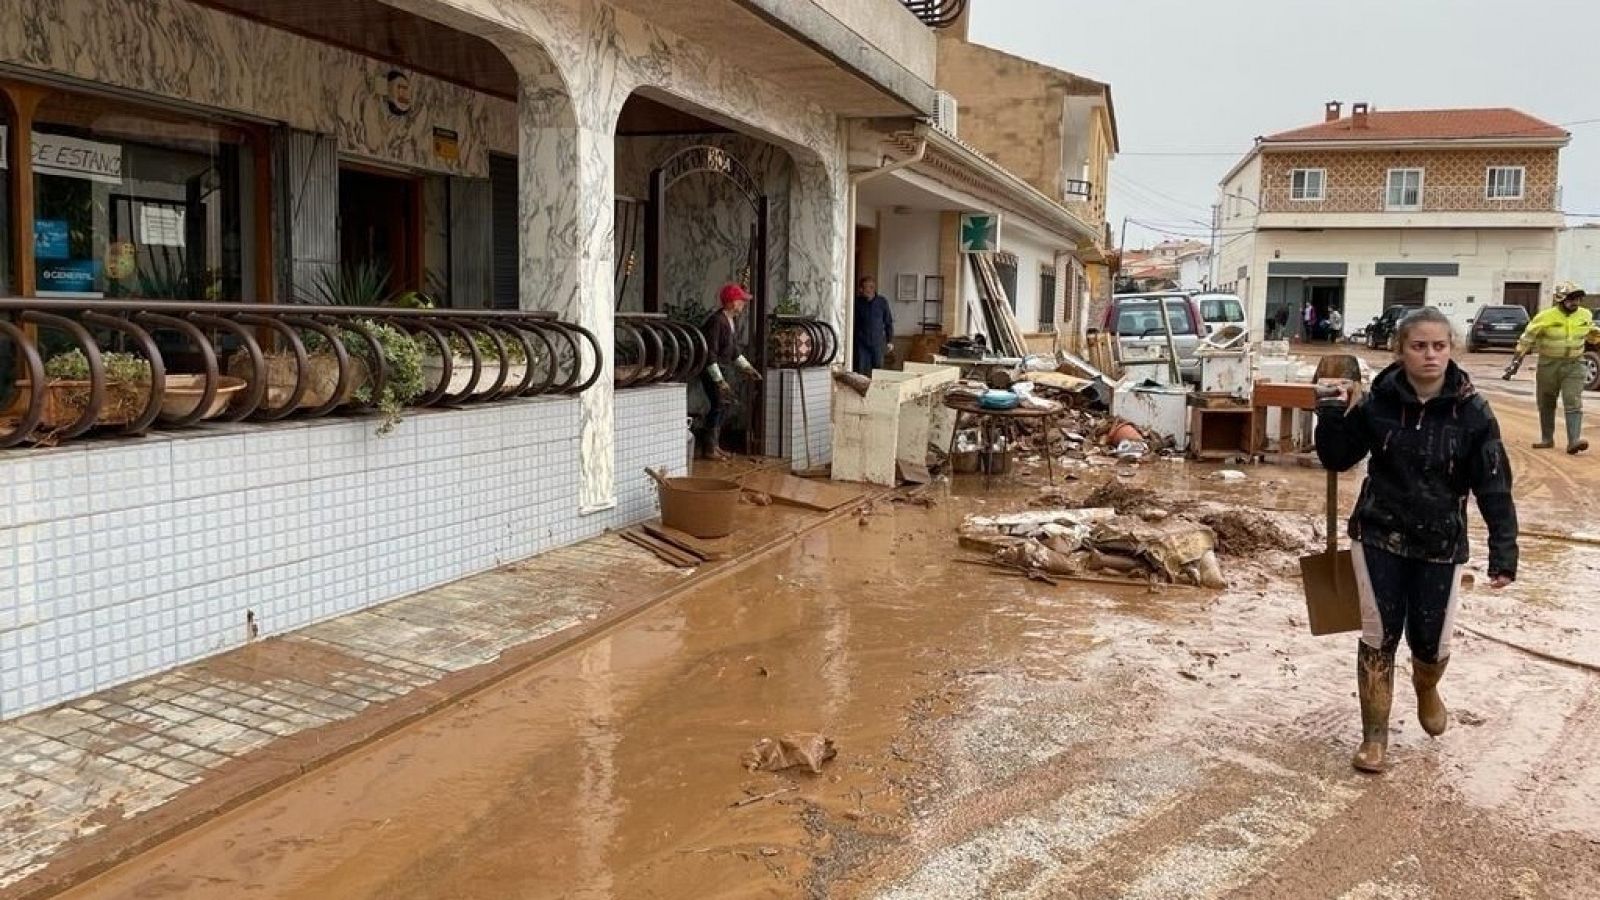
(161, 226)
(980, 233)
(50, 239)
(67, 278)
(446, 144)
(55, 154)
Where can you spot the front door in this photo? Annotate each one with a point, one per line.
(1524, 294)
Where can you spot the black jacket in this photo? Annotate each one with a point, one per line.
(722, 339)
(1426, 457)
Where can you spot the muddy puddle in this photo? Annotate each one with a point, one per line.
(995, 736)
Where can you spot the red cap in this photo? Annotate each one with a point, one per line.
(733, 293)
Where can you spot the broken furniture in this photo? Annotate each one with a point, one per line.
(993, 422)
(895, 420)
(1293, 404)
(1220, 427)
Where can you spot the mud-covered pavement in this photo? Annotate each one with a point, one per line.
(997, 737)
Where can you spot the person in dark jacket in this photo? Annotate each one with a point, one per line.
(721, 330)
(1432, 440)
(874, 327)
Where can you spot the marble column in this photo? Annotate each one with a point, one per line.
(566, 171)
(819, 230)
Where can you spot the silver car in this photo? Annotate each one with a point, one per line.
(1136, 321)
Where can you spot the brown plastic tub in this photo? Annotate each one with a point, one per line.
(702, 507)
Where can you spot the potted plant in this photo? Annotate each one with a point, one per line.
(68, 388)
(461, 363)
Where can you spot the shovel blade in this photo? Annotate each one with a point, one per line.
(1333, 603)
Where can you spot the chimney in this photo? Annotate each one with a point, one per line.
(1358, 115)
(1332, 111)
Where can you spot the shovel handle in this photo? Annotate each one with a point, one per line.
(1333, 511)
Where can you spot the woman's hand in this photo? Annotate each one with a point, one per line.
(1499, 581)
(1338, 392)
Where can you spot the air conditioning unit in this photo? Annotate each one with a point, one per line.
(945, 111)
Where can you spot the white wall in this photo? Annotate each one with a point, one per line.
(1034, 257)
(908, 244)
(1488, 259)
(1578, 258)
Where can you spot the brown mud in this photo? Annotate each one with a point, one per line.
(995, 737)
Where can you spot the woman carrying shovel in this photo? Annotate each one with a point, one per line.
(1432, 439)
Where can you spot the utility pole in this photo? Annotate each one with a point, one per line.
(1211, 260)
(1122, 242)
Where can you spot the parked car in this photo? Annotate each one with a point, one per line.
(1496, 326)
(1136, 321)
(1220, 310)
(1381, 331)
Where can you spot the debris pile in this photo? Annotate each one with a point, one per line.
(789, 751)
(1098, 543)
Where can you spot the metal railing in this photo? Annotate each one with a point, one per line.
(653, 349)
(1431, 198)
(936, 13)
(266, 362)
(801, 342)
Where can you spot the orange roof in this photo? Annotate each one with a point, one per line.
(1427, 125)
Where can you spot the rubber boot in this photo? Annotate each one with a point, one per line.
(1547, 429)
(1431, 711)
(1375, 685)
(1575, 441)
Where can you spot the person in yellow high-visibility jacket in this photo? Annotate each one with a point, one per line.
(1559, 335)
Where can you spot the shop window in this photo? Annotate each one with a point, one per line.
(132, 202)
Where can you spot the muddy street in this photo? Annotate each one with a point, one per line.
(996, 737)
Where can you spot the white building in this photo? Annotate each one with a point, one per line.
(1448, 208)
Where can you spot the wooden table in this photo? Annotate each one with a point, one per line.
(992, 420)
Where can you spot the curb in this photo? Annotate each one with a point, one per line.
(101, 852)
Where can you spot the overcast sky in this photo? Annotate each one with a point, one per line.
(1195, 81)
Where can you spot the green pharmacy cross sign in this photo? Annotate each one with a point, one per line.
(980, 233)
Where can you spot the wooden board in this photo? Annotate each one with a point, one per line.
(706, 550)
(913, 473)
(822, 496)
(664, 551)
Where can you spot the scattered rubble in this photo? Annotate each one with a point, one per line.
(1241, 532)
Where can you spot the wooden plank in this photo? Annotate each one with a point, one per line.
(665, 552)
(1284, 395)
(706, 550)
(822, 496)
(913, 473)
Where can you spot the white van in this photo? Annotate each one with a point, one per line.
(1220, 311)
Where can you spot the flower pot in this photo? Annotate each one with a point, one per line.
(282, 370)
(181, 395)
(461, 374)
(65, 400)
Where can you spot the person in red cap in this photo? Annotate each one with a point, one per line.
(721, 329)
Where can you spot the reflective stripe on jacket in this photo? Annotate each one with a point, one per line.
(1554, 334)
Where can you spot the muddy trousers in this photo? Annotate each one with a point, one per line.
(1563, 379)
(1409, 597)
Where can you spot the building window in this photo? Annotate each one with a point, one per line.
(1047, 301)
(131, 202)
(1005, 266)
(1307, 184)
(1405, 189)
(1504, 183)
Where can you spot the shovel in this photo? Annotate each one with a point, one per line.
(1333, 603)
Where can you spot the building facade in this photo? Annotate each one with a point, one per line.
(1447, 208)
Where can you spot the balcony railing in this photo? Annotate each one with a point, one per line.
(266, 362)
(1433, 198)
(937, 13)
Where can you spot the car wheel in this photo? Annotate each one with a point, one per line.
(1591, 370)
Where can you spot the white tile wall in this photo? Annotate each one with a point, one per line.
(652, 431)
(787, 420)
(121, 559)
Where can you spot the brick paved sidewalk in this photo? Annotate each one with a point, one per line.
(93, 781)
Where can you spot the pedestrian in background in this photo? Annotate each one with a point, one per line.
(1432, 439)
(1559, 335)
(721, 330)
(874, 327)
(1335, 325)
